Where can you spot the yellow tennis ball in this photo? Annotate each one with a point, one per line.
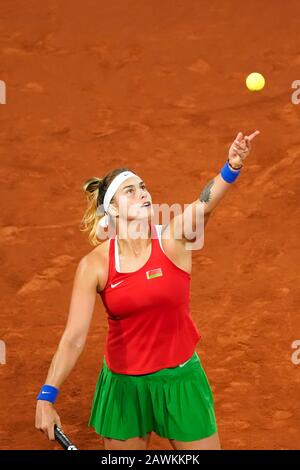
(255, 81)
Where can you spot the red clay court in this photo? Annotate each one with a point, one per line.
(159, 87)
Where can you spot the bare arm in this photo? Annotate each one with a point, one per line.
(184, 226)
(81, 310)
(73, 339)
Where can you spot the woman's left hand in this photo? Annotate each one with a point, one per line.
(240, 149)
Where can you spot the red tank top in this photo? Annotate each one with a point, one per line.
(150, 326)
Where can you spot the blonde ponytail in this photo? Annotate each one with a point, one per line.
(91, 216)
(95, 189)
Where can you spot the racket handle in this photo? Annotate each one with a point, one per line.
(63, 440)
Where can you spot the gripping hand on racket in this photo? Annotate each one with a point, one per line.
(46, 417)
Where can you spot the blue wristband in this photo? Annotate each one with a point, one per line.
(228, 174)
(48, 393)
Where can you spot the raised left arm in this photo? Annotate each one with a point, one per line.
(217, 187)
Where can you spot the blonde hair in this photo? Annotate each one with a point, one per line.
(91, 216)
(95, 189)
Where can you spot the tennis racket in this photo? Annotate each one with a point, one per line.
(63, 440)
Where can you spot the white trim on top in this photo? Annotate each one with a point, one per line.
(117, 258)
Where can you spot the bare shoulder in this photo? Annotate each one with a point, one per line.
(175, 249)
(95, 264)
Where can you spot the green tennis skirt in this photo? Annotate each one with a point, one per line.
(175, 402)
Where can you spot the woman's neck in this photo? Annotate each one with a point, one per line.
(133, 240)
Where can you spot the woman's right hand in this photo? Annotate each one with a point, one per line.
(73, 339)
(46, 417)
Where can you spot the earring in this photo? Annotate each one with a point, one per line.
(104, 221)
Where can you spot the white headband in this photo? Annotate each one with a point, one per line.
(110, 192)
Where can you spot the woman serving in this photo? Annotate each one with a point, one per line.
(151, 378)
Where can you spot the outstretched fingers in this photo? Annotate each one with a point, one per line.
(239, 137)
(250, 137)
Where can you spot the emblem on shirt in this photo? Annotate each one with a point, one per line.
(114, 285)
(154, 273)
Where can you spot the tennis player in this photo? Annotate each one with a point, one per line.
(151, 377)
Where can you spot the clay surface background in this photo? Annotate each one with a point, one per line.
(157, 86)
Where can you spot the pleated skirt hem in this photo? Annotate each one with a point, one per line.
(176, 403)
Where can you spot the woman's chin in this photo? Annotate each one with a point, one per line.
(143, 213)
